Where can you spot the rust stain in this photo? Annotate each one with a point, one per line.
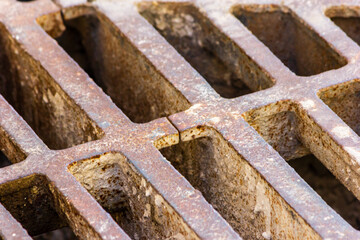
(177, 119)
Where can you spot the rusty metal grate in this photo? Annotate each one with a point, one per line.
(179, 119)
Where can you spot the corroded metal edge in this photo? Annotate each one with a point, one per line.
(208, 109)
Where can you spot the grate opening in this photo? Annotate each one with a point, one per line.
(329, 188)
(35, 96)
(108, 186)
(127, 197)
(350, 25)
(59, 234)
(123, 73)
(302, 50)
(72, 42)
(229, 184)
(202, 162)
(31, 203)
(225, 67)
(4, 161)
(344, 100)
(347, 19)
(10, 151)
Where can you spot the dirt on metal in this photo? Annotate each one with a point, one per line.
(199, 119)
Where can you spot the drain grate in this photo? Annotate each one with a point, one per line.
(179, 119)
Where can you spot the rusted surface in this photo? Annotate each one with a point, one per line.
(226, 93)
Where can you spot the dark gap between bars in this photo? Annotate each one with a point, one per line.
(224, 65)
(350, 25)
(330, 189)
(32, 92)
(58, 234)
(301, 49)
(4, 161)
(127, 197)
(31, 202)
(116, 66)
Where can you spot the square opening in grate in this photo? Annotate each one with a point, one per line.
(350, 25)
(329, 188)
(58, 234)
(205, 163)
(4, 161)
(220, 61)
(116, 66)
(282, 130)
(344, 100)
(347, 19)
(30, 202)
(132, 202)
(29, 88)
(233, 187)
(301, 49)
(10, 151)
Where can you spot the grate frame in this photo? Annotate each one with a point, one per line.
(290, 208)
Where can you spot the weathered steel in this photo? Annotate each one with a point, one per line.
(228, 90)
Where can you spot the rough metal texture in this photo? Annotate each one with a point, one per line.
(191, 73)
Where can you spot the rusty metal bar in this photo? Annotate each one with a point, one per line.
(177, 119)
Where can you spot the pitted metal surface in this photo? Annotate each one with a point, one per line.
(200, 119)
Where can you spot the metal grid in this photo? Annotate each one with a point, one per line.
(281, 83)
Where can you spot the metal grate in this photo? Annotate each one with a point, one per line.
(179, 119)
